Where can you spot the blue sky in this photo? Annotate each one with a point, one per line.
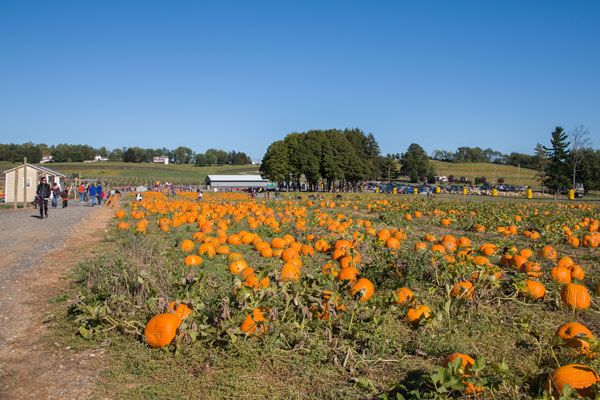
(240, 75)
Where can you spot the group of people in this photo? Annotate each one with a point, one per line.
(92, 193)
(44, 193)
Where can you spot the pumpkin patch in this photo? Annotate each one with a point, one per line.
(349, 282)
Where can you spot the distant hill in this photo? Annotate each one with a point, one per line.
(511, 175)
(141, 173)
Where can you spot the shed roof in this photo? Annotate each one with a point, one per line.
(39, 168)
(236, 178)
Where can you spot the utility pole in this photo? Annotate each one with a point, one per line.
(24, 182)
(16, 188)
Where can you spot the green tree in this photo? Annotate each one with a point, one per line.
(211, 157)
(129, 155)
(222, 157)
(415, 163)
(275, 164)
(558, 167)
(116, 155)
(183, 155)
(589, 174)
(201, 160)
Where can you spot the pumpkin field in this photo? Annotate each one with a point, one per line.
(360, 296)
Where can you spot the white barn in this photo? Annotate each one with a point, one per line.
(236, 181)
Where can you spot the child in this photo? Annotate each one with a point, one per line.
(65, 198)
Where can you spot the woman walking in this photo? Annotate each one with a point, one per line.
(43, 193)
(55, 195)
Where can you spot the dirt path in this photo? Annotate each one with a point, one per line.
(37, 254)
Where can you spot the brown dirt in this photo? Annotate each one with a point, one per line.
(31, 365)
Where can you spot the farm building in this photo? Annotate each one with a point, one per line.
(236, 181)
(160, 160)
(34, 174)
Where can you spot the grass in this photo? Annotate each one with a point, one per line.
(122, 173)
(367, 351)
(512, 175)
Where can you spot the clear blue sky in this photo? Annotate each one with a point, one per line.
(240, 75)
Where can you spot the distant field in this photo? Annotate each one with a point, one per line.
(511, 175)
(123, 172)
(130, 173)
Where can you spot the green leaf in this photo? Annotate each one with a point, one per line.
(86, 333)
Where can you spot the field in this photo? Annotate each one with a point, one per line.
(122, 173)
(374, 294)
(511, 174)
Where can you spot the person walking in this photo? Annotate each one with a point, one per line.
(86, 192)
(55, 195)
(81, 191)
(43, 193)
(65, 198)
(99, 193)
(92, 194)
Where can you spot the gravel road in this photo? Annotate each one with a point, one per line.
(25, 238)
(37, 255)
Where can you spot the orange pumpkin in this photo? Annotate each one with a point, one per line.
(161, 329)
(420, 312)
(467, 363)
(364, 285)
(404, 295)
(570, 333)
(193, 260)
(575, 296)
(255, 323)
(579, 377)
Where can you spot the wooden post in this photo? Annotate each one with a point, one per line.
(16, 187)
(24, 182)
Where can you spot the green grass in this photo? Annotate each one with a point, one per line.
(120, 173)
(511, 174)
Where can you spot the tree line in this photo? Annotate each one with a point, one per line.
(570, 161)
(329, 157)
(479, 155)
(78, 153)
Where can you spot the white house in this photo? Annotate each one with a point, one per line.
(46, 159)
(160, 160)
(100, 158)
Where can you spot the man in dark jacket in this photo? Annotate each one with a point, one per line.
(43, 194)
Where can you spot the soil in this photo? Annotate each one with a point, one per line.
(37, 256)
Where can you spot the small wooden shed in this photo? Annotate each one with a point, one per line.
(34, 174)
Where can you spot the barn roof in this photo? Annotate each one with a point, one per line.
(236, 178)
(39, 168)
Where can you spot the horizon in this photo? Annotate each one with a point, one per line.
(238, 77)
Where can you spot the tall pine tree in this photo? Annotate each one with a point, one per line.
(558, 173)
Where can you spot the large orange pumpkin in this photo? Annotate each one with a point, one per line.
(161, 329)
(579, 377)
(575, 296)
